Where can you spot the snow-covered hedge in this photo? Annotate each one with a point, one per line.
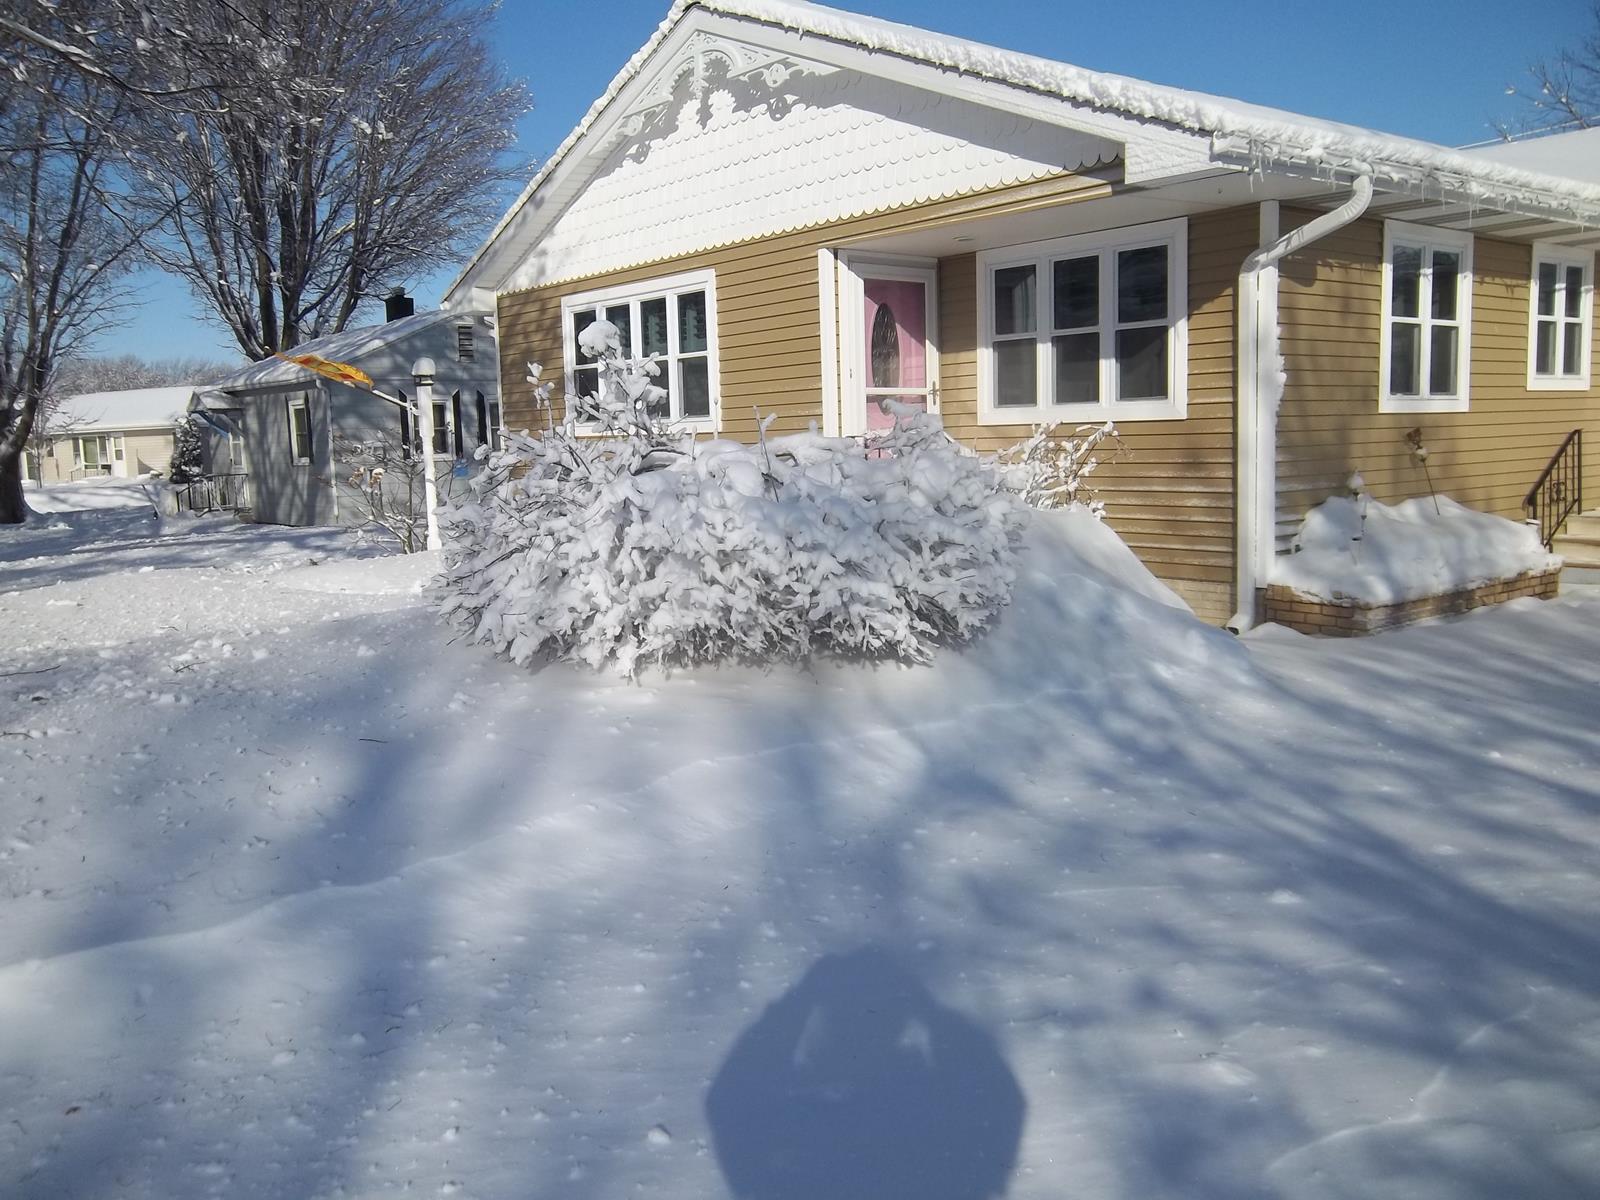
(639, 547)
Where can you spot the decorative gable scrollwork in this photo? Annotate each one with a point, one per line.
(705, 65)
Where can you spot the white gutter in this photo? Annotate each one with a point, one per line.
(1261, 380)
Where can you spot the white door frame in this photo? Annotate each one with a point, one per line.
(852, 350)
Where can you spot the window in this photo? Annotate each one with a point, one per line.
(300, 429)
(1427, 319)
(93, 453)
(494, 424)
(672, 321)
(465, 350)
(1559, 313)
(406, 449)
(441, 426)
(1088, 326)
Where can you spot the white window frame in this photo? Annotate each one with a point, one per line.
(1561, 257)
(669, 287)
(443, 427)
(103, 448)
(1105, 244)
(1429, 238)
(492, 407)
(303, 403)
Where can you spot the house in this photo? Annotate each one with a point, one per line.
(119, 434)
(798, 211)
(299, 431)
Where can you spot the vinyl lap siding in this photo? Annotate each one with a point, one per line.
(768, 308)
(1330, 426)
(1171, 497)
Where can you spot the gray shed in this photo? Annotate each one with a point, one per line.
(302, 434)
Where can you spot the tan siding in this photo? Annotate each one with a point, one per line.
(1171, 496)
(142, 452)
(1330, 426)
(149, 452)
(767, 307)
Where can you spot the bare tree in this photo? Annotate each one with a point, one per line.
(118, 372)
(368, 145)
(384, 486)
(63, 247)
(151, 53)
(1563, 91)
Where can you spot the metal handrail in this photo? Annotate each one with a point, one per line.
(212, 493)
(1558, 492)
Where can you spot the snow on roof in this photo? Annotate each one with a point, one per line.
(1575, 154)
(349, 346)
(136, 408)
(1250, 134)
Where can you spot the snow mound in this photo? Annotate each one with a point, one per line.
(1357, 548)
(86, 494)
(1085, 612)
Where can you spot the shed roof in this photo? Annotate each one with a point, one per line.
(350, 346)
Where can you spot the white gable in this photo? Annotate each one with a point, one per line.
(744, 159)
(743, 118)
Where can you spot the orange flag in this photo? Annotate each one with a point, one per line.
(337, 371)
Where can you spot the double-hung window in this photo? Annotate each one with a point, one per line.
(441, 426)
(1427, 318)
(1086, 327)
(671, 322)
(300, 429)
(1559, 317)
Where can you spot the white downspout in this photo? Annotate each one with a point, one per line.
(1261, 382)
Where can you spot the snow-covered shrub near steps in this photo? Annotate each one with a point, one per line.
(1051, 469)
(643, 547)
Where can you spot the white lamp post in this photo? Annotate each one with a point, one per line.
(422, 376)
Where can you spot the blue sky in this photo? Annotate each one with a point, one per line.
(1428, 70)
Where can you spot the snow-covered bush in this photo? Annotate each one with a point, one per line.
(188, 452)
(1051, 469)
(640, 546)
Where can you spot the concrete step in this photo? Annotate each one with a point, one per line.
(1578, 551)
(1583, 525)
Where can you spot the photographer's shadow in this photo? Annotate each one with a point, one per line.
(858, 1084)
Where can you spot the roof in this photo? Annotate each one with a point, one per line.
(136, 408)
(1575, 154)
(1244, 135)
(349, 346)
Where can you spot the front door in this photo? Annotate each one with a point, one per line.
(893, 346)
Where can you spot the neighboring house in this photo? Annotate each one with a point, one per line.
(120, 434)
(296, 426)
(799, 212)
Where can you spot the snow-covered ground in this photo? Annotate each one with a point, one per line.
(298, 898)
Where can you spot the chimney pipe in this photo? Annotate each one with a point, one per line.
(397, 305)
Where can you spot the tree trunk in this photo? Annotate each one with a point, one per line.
(13, 506)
